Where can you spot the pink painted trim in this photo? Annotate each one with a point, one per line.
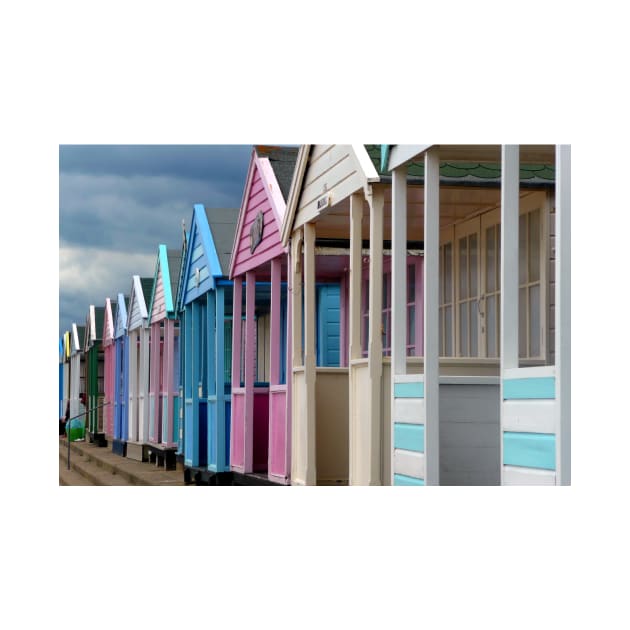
(274, 195)
(274, 348)
(236, 362)
(268, 198)
(289, 364)
(250, 367)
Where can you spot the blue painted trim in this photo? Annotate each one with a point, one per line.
(409, 437)
(527, 388)
(166, 280)
(208, 242)
(121, 317)
(531, 450)
(405, 480)
(409, 390)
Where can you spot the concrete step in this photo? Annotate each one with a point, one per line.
(89, 471)
(103, 467)
(71, 477)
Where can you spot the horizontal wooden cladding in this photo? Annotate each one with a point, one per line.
(409, 410)
(158, 310)
(409, 390)
(529, 450)
(404, 480)
(529, 388)
(517, 476)
(409, 437)
(332, 170)
(532, 416)
(409, 463)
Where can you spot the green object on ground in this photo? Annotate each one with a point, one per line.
(75, 429)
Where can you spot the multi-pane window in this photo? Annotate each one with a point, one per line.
(446, 299)
(530, 329)
(470, 282)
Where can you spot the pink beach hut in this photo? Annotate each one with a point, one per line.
(260, 421)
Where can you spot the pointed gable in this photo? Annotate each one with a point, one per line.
(208, 251)
(257, 237)
(120, 327)
(138, 313)
(108, 323)
(165, 284)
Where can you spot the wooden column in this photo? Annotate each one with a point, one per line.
(219, 363)
(250, 369)
(274, 346)
(211, 376)
(399, 287)
(296, 360)
(237, 308)
(354, 301)
(431, 316)
(354, 337)
(310, 316)
(143, 399)
(563, 314)
(375, 338)
(509, 267)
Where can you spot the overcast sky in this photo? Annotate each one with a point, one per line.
(118, 203)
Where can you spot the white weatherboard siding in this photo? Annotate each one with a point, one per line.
(531, 416)
(333, 170)
(409, 463)
(515, 476)
(409, 410)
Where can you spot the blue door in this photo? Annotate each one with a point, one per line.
(328, 325)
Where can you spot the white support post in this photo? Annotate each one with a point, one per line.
(563, 314)
(375, 339)
(295, 358)
(399, 286)
(354, 317)
(509, 268)
(309, 351)
(431, 316)
(354, 330)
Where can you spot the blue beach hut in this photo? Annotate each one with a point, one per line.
(121, 387)
(205, 304)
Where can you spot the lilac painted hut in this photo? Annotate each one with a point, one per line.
(121, 384)
(109, 352)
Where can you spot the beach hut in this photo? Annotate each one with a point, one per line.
(138, 368)
(260, 422)
(109, 368)
(502, 272)
(337, 411)
(164, 364)
(62, 408)
(205, 305)
(76, 376)
(65, 402)
(94, 375)
(121, 380)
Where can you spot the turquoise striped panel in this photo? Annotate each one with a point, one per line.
(405, 480)
(531, 450)
(524, 388)
(408, 390)
(409, 437)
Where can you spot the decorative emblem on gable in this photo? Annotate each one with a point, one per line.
(256, 232)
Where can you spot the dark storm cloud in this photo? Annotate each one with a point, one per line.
(118, 203)
(219, 162)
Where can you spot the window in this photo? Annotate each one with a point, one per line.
(470, 282)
